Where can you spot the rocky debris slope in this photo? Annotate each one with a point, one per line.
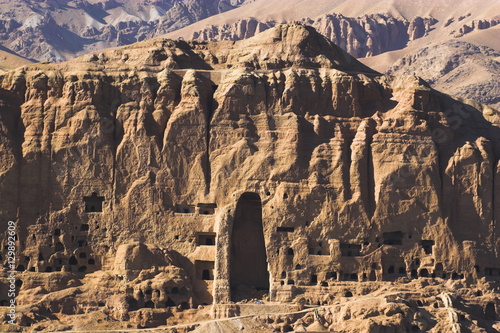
(459, 68)
(142, 177)
(54, 30)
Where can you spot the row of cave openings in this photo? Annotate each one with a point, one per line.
(391, 275)
(149, 298)
(354, 250)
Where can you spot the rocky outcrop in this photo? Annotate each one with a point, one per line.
(168, 174)
(475, 25)
(364, 36)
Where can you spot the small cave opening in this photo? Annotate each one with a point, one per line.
(132, 304)
(169, 303)
(93, 203)
(59, 247)
(424, 272)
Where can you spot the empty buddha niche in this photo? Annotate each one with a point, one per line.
(248, 253)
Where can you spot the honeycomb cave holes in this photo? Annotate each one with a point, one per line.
(248, 260)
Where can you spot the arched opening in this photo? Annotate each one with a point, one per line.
(438, 269)
(373, 276)
(348, 294)
(73, 261)
(132, 304)
(490, 311)
(248, 252)
(424, 272)
(59, 247)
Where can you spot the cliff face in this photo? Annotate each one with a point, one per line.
(134, 169)
(364, 36)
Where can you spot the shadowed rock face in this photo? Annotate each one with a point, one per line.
(123, 171)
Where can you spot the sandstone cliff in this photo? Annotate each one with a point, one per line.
(361, 37)
(141, 176)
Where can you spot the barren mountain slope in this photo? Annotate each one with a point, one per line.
(459, 68)
(56, 30)
(9, 60)
(275, 180)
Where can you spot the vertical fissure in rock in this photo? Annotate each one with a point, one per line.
(370, 205)
(211, 107)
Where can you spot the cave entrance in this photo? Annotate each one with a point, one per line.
(248, 264)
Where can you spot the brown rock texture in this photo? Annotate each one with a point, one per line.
(165, 182)
(363, 36)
